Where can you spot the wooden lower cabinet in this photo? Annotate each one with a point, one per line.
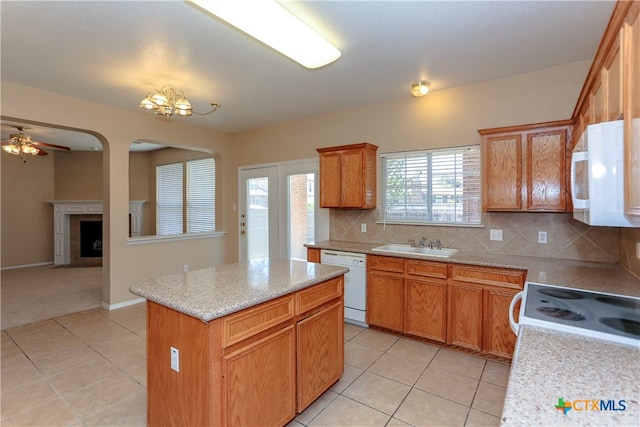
(461, 305)
(259, 381)
(258, 366)
(426, 309)
(313, 255)
(498, 338)
(465, 316)
(320, 353)
(479, 300)
(385, 300)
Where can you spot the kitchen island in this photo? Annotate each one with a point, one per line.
(242, 344)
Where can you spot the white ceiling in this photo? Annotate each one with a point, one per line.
(114, 52)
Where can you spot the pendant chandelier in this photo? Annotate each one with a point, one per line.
(169, 101)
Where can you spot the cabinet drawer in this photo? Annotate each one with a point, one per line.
(488, 276)
(247, 323)
(312, 297)
(386, 263)
(427, 268)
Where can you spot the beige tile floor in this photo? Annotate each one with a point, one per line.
(88, 369)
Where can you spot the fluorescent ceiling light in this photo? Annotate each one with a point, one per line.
(274, 26)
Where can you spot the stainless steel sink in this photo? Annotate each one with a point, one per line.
(407, 249)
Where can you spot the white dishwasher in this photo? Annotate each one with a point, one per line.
(355, 283)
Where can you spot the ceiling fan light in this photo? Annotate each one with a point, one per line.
(8, 148)
(29, 149)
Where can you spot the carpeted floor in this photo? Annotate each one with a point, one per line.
(32, 294)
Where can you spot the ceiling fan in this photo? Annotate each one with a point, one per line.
(20, 144)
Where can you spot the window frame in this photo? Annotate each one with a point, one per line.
(185, 185)
(457, 208)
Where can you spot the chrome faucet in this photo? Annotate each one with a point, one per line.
(412, 243)
(423, 241)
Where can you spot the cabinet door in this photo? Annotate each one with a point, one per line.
(385, 300)
(631, 55)
(260, 381)
(498, 338)
(320, 353)
(352, 178)
(502, 164)
(426, 309)
(465, 316)
(330, 181)
(546, 153)
(612, 79)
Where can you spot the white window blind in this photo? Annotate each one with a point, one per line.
(432, 186)
(201, 195)
(169, 199)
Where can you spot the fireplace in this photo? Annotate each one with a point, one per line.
(68, 215)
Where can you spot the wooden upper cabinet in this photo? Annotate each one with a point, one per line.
(611, 76)
(614, 79)
(525, 167)
(546, 170)
(348, 176)
(631, 85)
(502, 172)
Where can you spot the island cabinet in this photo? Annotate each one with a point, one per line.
(478, 310)
(257, 366)
(408, 296)
(525, 168)
(348, 176)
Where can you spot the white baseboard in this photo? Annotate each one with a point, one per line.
(122, 304)
(27, 265)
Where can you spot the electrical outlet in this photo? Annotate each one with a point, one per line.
(185, 268)
(175, 359)
(363, 228)
(542, 237)
(495, 234)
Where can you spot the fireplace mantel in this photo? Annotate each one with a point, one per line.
(62, 209)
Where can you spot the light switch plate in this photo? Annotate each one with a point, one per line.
(363, 227)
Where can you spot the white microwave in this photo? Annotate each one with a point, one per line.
(597, 176)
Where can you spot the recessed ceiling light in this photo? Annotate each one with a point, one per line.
(273, 25)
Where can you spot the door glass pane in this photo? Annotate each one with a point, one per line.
(258, 217)
(301, 214)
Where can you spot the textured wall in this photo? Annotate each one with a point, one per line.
(567, 238)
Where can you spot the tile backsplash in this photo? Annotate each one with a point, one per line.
(566, 237)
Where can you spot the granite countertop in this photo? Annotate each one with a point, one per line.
(215, 292)
(593, 276)
(550, 365)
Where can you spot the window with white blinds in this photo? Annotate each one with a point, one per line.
(201, 195)
(169, 198)
(432, 186)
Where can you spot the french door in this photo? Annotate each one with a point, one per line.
(278, 210)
